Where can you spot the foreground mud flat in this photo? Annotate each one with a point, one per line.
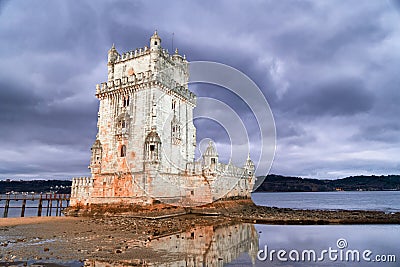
(244, 210)
(153, 235)
(99, 238)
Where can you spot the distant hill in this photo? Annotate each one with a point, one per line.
(278, 183)
(36, 186)
(273, 183)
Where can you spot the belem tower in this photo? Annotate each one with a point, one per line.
(144, 150)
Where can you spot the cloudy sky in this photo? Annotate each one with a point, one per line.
(330, 71)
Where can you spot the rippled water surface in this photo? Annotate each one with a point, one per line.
(388, 201)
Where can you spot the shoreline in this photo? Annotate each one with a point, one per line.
(242, 210)
(107, 236)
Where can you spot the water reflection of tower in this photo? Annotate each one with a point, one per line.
(210, 245)
(200, 246)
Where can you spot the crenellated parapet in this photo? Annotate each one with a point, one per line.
(144, 68)
(232, 170)
(80, 190)
(140, 52)
(144, 80)
(80, 181)
(133, 54)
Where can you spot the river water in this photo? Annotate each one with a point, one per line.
(382, 240)
(387, 201)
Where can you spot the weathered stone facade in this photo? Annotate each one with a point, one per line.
(145, 145)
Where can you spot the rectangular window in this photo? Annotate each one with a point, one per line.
(126, 101)
(152, 147)
(123, 151)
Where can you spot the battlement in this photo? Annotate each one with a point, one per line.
(147, 67)
(198, 168)
(80, 190)
(232, 170)
(139, 52)
(139, 80)
(82, 181)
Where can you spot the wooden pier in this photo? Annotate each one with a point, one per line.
(43, 201)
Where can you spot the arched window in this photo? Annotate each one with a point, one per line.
(123, 151)
(152, 147)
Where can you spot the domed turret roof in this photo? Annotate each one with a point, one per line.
(211, 151)
(155, 34)
(96, 144)
(112, 49)
(249, 163)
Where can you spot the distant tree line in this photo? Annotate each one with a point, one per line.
(272, 183)
(279, 183)
(36, 186)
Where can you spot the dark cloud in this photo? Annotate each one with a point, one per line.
(379, 131)
(13, 97)
(328, 70)
(338, 98)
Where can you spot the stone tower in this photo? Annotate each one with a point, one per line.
(144, 148)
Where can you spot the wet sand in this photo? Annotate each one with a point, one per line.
(244, 210)
(101, 238)
(32, 220)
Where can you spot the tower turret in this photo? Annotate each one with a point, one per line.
(210, 157)
(249, 165)
(155, 42)
(112, 55)
(95, 161)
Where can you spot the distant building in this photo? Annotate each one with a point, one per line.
(145, 145)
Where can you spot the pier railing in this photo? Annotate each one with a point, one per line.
(49, 202)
